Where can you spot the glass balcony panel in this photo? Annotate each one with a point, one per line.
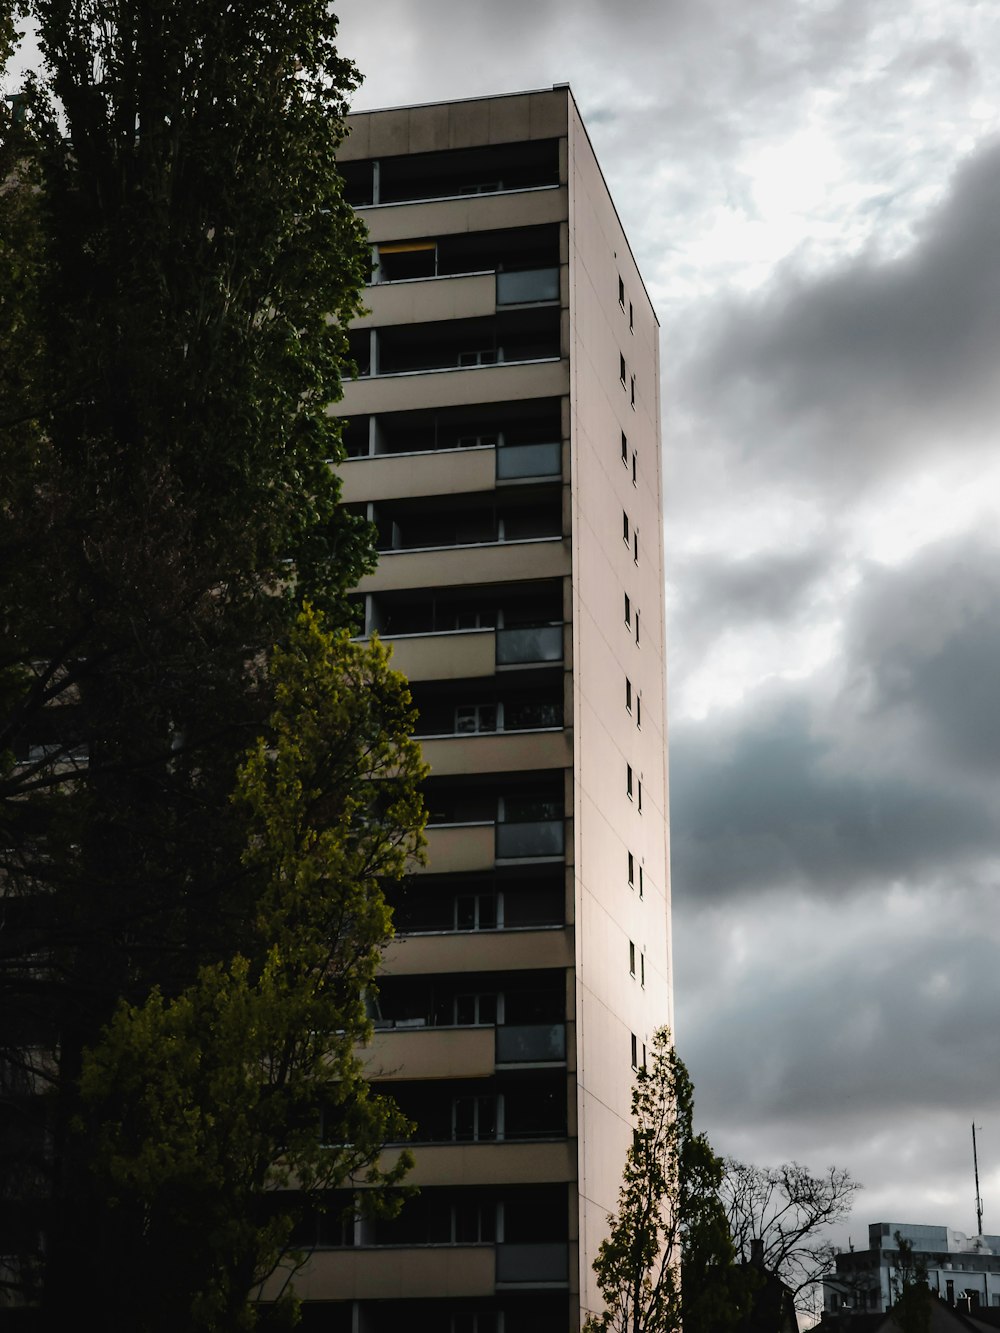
(532, 1263)
(529, 643)
(528, 460)
(525, 1043)
(533, 284)
(537, 837)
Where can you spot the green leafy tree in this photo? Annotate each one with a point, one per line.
(668, 1257)
(201, 1107)
(177, 270)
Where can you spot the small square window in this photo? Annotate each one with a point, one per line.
(628, 610)
(632, 391)
(622, 372)
(631, 868)
(621, 292)
(625, 533)
(624, 448)
(635, 1051)
(634, 468)
(628, 694)
(628, 781)
(631, 958)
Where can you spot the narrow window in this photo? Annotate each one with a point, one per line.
(640, 796)
(631, 318)
(640, 882)
(635, 545)
(642, 969)
(633, 391)
(621, 292)
(637, 626)
(644, 1055)
(625, 527)
(628, 610)
(631, 958)
(634, 468)
(628, 694)
(622, 373)
(624, 448)
(635, 1051)
(628, 781)
(638, 711)
(631, 870)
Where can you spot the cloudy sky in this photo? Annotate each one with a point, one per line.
(812, 188)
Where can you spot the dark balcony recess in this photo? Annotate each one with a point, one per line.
(526, 616)
(530, 1043)
(466, 520)
(483, 170)
(514, 253)
(509, 337)
(541, 1263)
(526, 433)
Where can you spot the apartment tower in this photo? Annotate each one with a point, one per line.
(503, 436)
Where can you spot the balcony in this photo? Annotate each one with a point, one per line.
(532, 1043)
(517, 462)
(531, 839)
(533, 286)
(528, 644)
(451, 173)
(537, 1264)
(408, 349)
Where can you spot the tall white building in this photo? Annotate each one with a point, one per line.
(504, 437)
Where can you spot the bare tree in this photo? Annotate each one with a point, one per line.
(788, 1209)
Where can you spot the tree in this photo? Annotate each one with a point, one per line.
(175, 297)
(910, 1294)
(262, 1048)
(669, 1222)
(787, 1209)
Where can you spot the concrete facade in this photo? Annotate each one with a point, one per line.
(504, 437)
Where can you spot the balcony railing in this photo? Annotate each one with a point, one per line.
(529, 1043)
(527, 286)
(530, 643)
(537, 837)
(533, 1263)
(528, 460)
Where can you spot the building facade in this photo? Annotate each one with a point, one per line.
(503, 436)
(959, 1268)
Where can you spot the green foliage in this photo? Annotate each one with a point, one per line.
(669, 1221)
(199, 1107)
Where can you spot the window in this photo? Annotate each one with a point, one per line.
(628, 694)
(628, 610)
(631, 870)
(622, 373)
(628, 780)
(642, 970)
(634, 466)
(635, 1052)
(631, 958)
(635, 545)
(637, 626)
(640, 796)
(638, 711)
(632, 391)
(625, 533)
(621, 292)
(640, 882)
(644, 1055)
(631, 318)
(624, 448)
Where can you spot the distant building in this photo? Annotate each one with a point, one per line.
(959, 1267)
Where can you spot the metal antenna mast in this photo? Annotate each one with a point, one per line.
(979, 1201)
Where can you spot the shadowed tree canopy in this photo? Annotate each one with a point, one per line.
(177, 269)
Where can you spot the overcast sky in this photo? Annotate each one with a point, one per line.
(812, 190)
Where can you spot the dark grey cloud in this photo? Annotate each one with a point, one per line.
(843, 374)
(924, 643)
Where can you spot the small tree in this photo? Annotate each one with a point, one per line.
(909, 1293)
(670, 1222)
(787, 1208)
(204, 1111)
